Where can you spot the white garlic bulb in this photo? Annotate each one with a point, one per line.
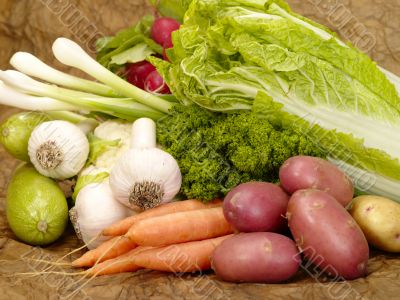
(95, 209)
(58, 149)
(145, 176)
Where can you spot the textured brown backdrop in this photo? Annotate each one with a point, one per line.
(32, 25)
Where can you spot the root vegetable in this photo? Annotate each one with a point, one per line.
(379, 219)
(306, 172)
(123, 226)
(256, 257)
(256, 206)
(180, 227)
(327, 235)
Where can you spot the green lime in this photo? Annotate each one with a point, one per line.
(37, 210)
(16, 130)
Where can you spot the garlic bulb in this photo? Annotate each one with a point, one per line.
(58, 149)
(145, 176)
(95, 209)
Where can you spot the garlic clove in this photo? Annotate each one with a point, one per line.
(58, 149)
(96, 209)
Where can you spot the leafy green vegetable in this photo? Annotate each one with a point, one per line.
(171, 8)
(135, 54)
(216, 151)
(230, 52)
(118, 50)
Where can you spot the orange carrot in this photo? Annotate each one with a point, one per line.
(122, 227)
(184, 257)
(120, 264)
(180, 227)
(107, 250)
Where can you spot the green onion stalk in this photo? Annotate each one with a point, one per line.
(58, 91)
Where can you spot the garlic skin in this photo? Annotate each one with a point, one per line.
(58, 149)
(145, 176)
(151, 174)
(96, 209)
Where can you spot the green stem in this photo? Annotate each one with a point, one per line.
(71, 54)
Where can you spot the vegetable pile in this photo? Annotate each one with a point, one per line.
(240, 100)
(259, 55)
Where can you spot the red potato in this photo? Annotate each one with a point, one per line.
(256, 257)
(307, 172)
(327, 234)
(256, 206)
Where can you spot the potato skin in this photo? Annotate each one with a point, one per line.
(379, 219)
(328, 235)
(307, 172)
(256, 206)
(256, 257)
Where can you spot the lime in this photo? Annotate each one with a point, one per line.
(37, 210)
(16, 130)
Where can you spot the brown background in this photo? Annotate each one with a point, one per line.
(32, 25)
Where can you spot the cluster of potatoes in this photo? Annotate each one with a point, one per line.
(310, 215)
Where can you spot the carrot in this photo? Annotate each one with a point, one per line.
(107, 250)
(184, 257)
(180, 227)
(120, 264)
(122, 227)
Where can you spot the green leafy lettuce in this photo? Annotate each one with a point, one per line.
(128, 46)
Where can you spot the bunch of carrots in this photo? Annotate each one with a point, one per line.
(175, 237)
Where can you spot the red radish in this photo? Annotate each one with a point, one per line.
(137, 73)
(154, 83)
(162, 29)
(168, 44)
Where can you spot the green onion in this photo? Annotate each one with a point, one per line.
(31, 65)
(124, 108)
(71, 54)
(11, 97)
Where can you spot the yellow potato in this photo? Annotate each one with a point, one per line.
(379, 219)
